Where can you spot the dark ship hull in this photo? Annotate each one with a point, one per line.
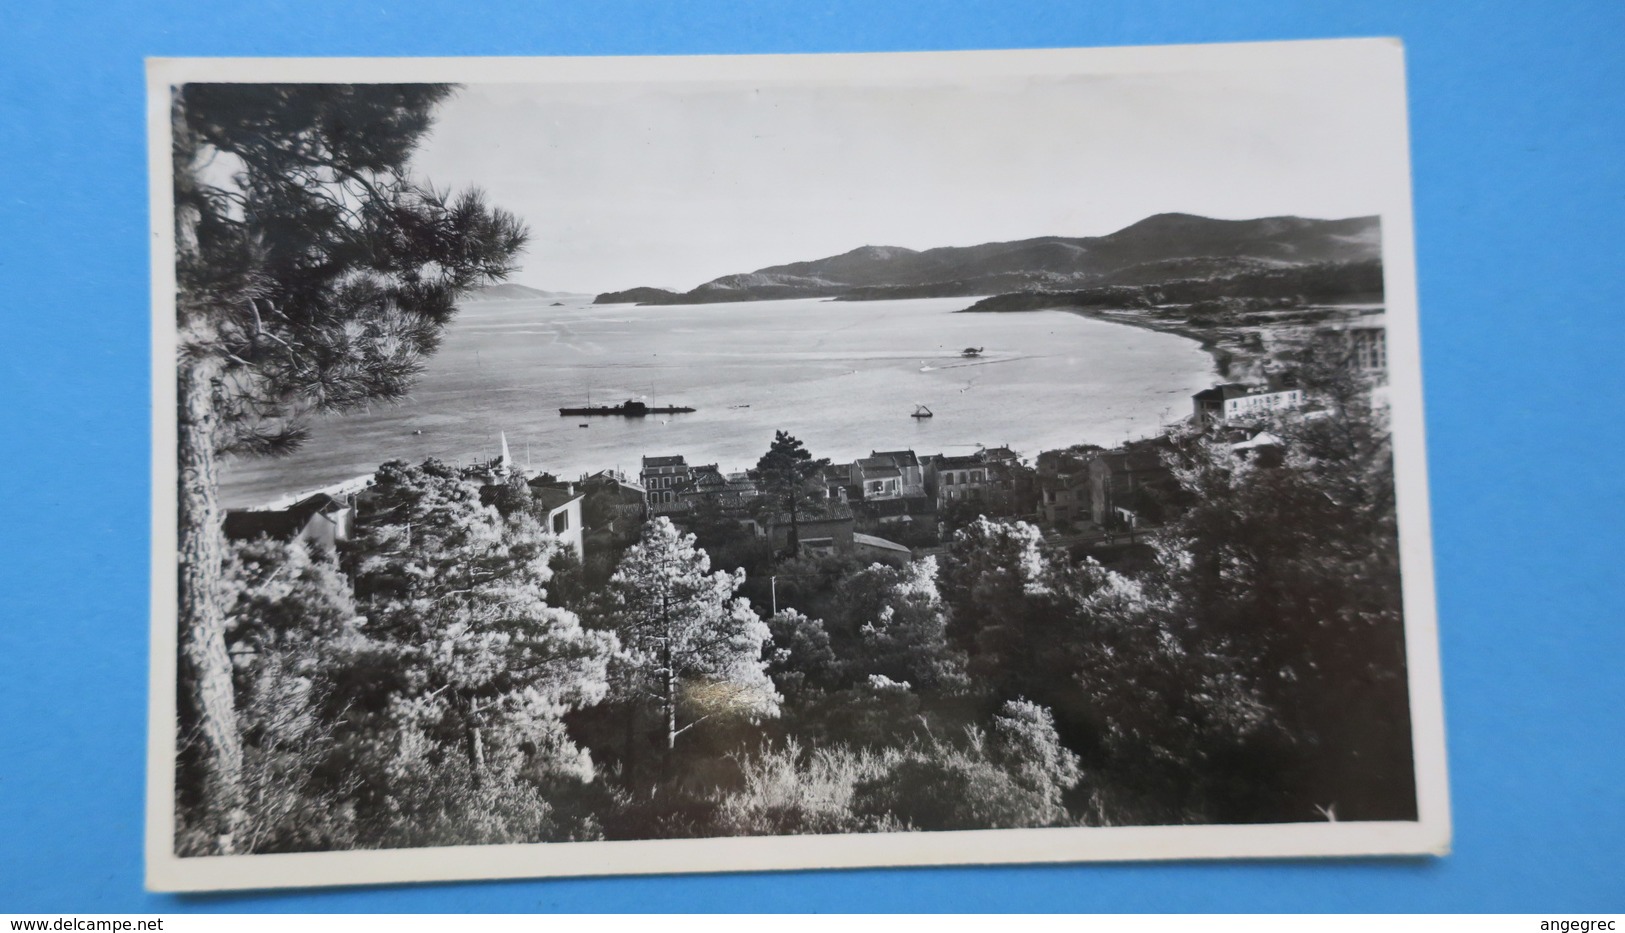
(628, 409)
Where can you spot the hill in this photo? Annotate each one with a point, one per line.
(510, 291)
(1162, 248)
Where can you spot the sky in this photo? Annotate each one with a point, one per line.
(672, 184)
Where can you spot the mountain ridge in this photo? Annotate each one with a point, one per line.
(1158, 248)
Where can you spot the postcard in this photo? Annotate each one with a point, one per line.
(593, 466)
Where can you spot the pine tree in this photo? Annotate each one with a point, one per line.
(786, 475)
(460, 592)
(685, 636)
(292, 623)
(313, 275)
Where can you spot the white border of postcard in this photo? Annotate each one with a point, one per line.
(1375, 68)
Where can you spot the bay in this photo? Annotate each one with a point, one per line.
(844, 377)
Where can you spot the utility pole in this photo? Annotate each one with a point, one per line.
(773, 584)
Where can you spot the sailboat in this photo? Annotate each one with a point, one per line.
(920, 411)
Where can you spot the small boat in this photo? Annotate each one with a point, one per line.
(971, 353)
(583, 425)
(920, 411)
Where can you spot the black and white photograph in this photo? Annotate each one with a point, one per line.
(585, 466)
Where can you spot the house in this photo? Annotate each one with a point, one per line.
(869, 547)
(952, 478)
(1000, 456)
(1063, 485)
(705, 483)
(1358, 341)
(839, 485)
(321, 519)
(878, 479)
(562, 507)
(909, 470)
(828, 532)
(1369, 348)
(884, 474)
(613, 505)
(1064, 497)
(664, 478)
(708, 491)
(1125, 486)
(1231, 401)
(739, 492)
(915, 510)
(1365, 337)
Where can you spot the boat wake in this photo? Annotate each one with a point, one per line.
(928, 368)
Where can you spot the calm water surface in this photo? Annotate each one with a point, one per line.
(842, 376)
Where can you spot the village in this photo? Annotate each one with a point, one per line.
(892, 506)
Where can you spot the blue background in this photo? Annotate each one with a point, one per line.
(1519, 143)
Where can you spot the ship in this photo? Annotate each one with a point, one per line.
(631, 408)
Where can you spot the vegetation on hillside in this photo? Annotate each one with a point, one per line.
(423, 686)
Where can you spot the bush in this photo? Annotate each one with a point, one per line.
(796, 791)
(1013, 777)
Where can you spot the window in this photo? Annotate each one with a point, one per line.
(561, 523)
(1371, 348)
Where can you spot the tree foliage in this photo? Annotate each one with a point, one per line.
(461, 592)
(432, 688)
(895, 625)
(691, 649)
(313, 274)
(786, 476)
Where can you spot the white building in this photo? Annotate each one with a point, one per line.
(563, 515)
(1233, 401)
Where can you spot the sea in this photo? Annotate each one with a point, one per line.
(844, 377)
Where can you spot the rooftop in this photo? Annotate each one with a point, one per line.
(246, 524)
(882, 543)
(901, 458)
(676, 460)
(242, 524)
(1222, 392)
(552, 497)
(829, 512)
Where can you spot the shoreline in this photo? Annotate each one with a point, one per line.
(1239, 350)
(1225, 358)
(360, 445)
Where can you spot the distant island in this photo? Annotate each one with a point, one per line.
(508, 291)
(1271, 253)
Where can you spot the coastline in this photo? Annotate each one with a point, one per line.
(1224, 345)
(1225, 358)
(851, 394)
(1241, 351)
